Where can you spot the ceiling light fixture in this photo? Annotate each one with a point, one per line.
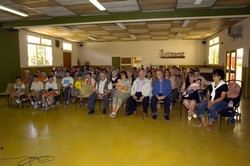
(178, 34)
(97, 4)
(91, 38)
(185, 23)
(65, 29)
(120, 25)
(132, 36)
(197, 2)
(13, 11)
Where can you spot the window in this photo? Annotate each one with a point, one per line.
(213, 57)
(67, 46)
(39, 51)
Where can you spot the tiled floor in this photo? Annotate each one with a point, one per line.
(77, 139)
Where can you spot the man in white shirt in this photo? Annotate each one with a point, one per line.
(51, 91)
(67, 85)
(102, 91)
(53, 74)
(140, 91)
(36, 90)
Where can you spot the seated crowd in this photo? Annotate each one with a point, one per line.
(148, 86)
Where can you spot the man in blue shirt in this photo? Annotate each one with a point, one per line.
(161, 92)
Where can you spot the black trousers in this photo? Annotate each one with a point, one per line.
(154, 102)
(133, 104)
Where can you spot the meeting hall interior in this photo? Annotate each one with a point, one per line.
(124, 82)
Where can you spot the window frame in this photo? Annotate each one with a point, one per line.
(69, 50)
(212, 50)
(39, 47)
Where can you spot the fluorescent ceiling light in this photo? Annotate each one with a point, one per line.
(185, 23)
(13, 11)
(97, 4)
(197, 2)
(65, 29)
(91, 38)
(132, 36)
(120, 25)
(178, 34)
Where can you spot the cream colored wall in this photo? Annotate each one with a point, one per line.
(226, 43)
(102, 53)
(57, 52)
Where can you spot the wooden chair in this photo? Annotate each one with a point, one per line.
(110, 102)
(9, 89)
(59, 95)
(85, 92)
(140, 110)
(24, 97)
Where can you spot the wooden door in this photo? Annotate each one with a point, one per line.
(67, 60)
(116, 61)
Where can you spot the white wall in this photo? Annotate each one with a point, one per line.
(57, 52)
(102, 53)
(229, 45)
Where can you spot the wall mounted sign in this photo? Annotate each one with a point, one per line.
(169, 54)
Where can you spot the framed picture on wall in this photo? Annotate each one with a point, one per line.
(126, 61)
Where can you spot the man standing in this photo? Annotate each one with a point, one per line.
(161, 92)
(140, 91)
(102, 91)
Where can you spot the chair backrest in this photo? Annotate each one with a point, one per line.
(58, 80)
(27, 88)
(234, 88)
(59, 88)
(86, 90)
(234, 91)
(10, 88)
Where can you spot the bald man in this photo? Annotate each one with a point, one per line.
(140, 91)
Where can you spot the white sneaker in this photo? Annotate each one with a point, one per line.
(112, 115)
(189, 117)
(194, 115)
(18, 101)
(32, 102)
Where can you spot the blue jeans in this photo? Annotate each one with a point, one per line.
(212, 110)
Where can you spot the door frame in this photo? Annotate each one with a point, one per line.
(229, 71)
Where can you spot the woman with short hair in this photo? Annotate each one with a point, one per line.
(216, 99)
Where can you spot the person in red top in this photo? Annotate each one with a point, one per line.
(27, 79)
(89, 80)
(40, 76)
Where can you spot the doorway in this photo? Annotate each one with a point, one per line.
(116, 61)
(234, 61)
(67, 60)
